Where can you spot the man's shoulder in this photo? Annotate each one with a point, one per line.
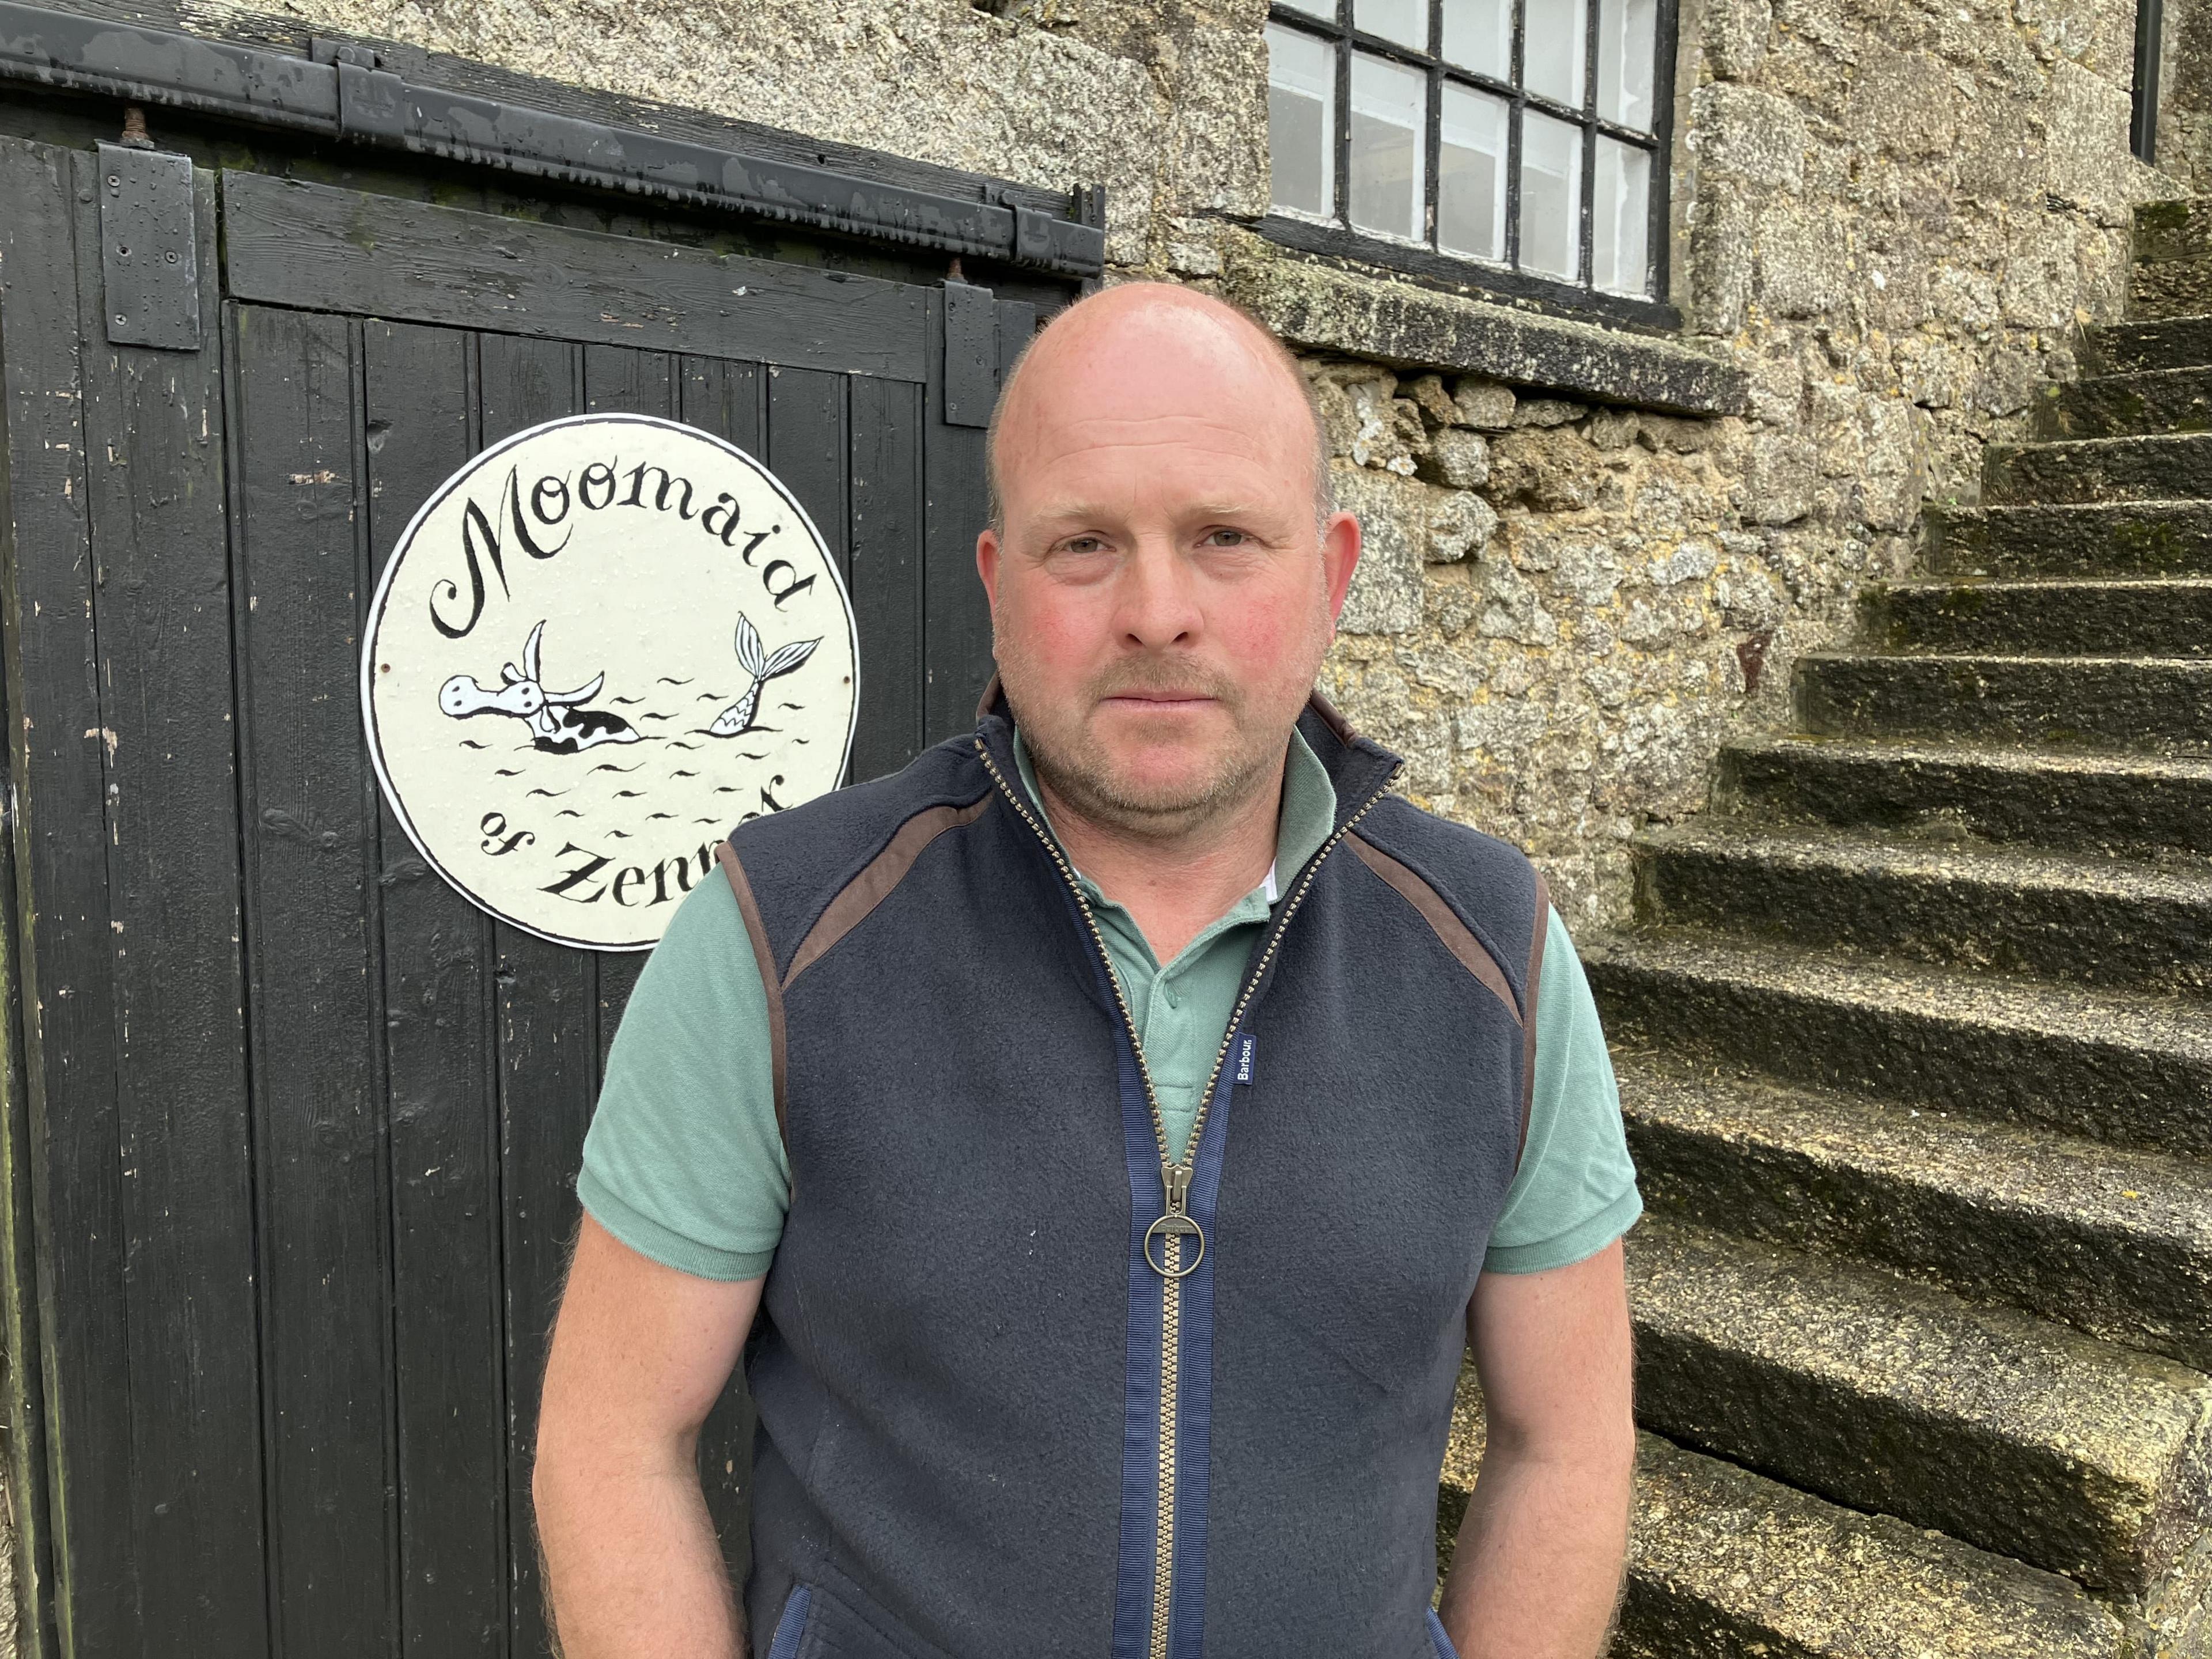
(1447, 852)
(797, 860)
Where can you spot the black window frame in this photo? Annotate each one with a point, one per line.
(1333, 26)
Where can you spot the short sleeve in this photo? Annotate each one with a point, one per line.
(1575, 1192)
(683, 1162)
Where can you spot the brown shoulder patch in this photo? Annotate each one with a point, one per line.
(875, 882)
(750, 909)
(1454, 934)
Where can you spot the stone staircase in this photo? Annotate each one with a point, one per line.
(1914, 1036)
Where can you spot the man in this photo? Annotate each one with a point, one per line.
(1124, 1118)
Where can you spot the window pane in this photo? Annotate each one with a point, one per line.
(1300, 122)
(1405, 21)
(1479, 36)
(1551, 195)
(1324, 10)
(1620, 218)
(1388, 103)
(1625, 32)
(1471, 174)
(1552, 49)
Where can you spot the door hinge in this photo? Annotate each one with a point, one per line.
(150, 263)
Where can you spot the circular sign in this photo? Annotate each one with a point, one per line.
(598, 647)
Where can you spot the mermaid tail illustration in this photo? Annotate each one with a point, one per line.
(764, 666)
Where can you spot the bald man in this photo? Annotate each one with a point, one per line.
(1113, 1130)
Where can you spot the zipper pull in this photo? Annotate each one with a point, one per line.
(1177, 1177)
(1176, 1224)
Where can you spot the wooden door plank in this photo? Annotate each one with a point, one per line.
(723, 399)
(886, 575)
(341, 249)
(809, 450)
(957, 616)
(155, 472)
(64, 962)
(728, 399)
(448, 1350)
(316, 994)
(546, 1001)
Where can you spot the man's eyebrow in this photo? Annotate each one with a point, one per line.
(1067, 512)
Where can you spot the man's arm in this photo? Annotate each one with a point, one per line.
(641, 1354)
(1538, 1567)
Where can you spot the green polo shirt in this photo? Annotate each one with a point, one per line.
(684, 1162)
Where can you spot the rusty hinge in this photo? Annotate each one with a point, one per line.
(149, 248)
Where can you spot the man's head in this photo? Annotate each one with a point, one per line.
(1163, 571)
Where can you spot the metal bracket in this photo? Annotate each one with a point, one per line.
(373, 104)
(148, 248)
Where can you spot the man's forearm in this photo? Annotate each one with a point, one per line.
(633, 1570)
(1538, 1567)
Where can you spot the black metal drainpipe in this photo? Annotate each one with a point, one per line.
(2142, 116)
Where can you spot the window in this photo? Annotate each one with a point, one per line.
(1523, 135)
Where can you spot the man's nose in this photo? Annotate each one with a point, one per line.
(1159, 596)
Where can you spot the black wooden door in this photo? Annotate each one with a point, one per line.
(295, 1125)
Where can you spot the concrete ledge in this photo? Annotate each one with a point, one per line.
(1326, 308)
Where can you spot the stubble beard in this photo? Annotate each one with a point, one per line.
(1081, 774)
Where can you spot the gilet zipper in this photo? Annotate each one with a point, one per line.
(1176, 1226)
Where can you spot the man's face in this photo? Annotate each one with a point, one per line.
(1161, 596)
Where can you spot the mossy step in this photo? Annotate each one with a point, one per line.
(1724, 1564)
(2153, 704)
(1942, 793)
(2177, 229)
(2091, 918)
(2107, 538)
(2119, 406)
(2152, 616)
(2125, 1067)
(2115, 1243)
(2166, 466)
(1985, 1422)
(2131, 348)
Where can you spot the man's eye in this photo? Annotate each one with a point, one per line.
(1082, 545)
(1226, 538)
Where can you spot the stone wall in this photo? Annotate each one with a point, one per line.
(1891, 217)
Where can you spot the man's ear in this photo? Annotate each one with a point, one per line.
(1340, 557)
(987, 566)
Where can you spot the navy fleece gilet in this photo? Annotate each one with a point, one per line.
(959, 1367)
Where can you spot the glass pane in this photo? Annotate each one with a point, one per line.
(1552, 49)
(1479, 36)
(1471, 174)
(1405, 21)
(1622, 218)
(1551, 196)
(1626, 33)
(1388, 103)
(1300, 122)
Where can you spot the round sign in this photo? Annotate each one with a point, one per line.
(598, 647)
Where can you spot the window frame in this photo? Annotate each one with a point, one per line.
(1331, 24)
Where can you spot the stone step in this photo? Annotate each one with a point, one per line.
(2119, 406)
(2154, 704)
(2180, 229)
(2122, 538)
(2169, 287)
(2125, 1067)
(2168, 466)
(1724, 1564)
(2000, 1428)
(1941, 794)
(2117, 1243)
(2091, 918)
(2153, 616)
(2131, 348)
